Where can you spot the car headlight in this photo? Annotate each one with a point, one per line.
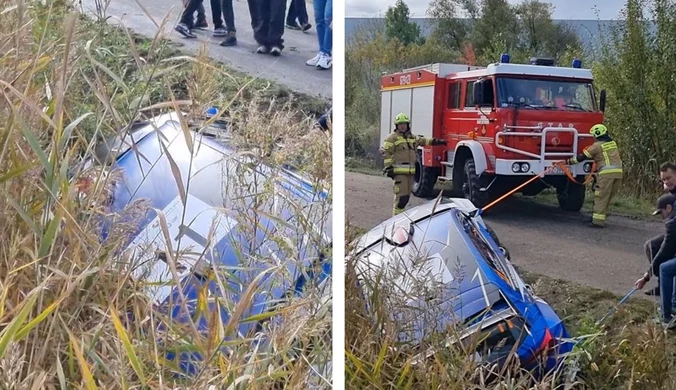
(587, 167)
(516, 167)
(525, 167)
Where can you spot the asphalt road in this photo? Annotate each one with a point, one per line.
(540, 238)
(289, 69)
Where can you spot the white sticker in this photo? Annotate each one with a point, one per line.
(189, 235)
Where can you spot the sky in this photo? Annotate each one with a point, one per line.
(564, 9)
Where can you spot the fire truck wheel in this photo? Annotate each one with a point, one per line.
(571, 196)
(424, 179)
(471, 185)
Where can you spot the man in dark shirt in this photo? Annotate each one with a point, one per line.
(668, 178)
(664, 263)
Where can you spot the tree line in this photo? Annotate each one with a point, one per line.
(636, 65)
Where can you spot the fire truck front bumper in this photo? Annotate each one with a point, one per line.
(534, 167)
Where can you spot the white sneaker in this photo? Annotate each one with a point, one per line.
(314, 60)
(325, 62)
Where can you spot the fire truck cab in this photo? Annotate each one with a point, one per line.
(503, 123)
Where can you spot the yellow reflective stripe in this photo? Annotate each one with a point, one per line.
(600, 217)
(613, 170)
(586, 153)
(402, 140)
(428, 141)
(597, 193)
(606, 147)
(574, 160)
(388, 161)
(404, 170)
(387, 145)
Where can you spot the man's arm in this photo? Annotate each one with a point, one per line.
(587, 153)
(388, 157)
(667, 250)
(424, 141)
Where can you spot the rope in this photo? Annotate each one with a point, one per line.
(557, 164)
(588, 179)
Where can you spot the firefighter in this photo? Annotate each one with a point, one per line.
(605, 154)
(399, 152)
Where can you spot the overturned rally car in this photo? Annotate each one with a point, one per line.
(221, 223)
(442, 258)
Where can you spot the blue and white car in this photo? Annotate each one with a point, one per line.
(229, 224)
(444, 268)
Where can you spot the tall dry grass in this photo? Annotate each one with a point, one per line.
(70, 314)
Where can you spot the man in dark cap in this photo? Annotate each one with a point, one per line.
(663, 264)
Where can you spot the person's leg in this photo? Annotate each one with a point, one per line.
(667, 274)
(201, 21)
(189, 11)
(328, 34)
(276, 30)
(401, 194)
(186, 24)
(292, 15)
(257, 23)
(303, 18)
(601, 200)
(229, 19)
(319, 7)
(320, 21)
(216, 13)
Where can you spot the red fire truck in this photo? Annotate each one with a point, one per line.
(503, 123)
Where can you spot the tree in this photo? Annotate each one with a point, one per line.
(495, 26)
(398, 26)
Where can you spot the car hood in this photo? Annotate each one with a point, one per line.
(212, 213)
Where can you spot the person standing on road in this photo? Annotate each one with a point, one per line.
(267, 21)
(400, 152)
(605, 154)
(297, 17)
(652, 246)
(324, 21)
(187, 24)
(664, 263)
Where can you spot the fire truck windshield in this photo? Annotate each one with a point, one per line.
(543, 93)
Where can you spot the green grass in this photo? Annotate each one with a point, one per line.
(622, 204)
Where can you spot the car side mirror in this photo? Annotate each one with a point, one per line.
(478, 92)
(602, 101)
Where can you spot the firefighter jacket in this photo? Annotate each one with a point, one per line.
(605, 154)
(399, 151)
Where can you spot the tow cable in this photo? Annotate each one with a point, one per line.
(558, 164)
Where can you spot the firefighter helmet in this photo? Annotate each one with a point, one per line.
(598, 130)
(401, 118)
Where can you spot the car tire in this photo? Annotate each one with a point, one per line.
(425, 179)
(571, 196)
(471, 185)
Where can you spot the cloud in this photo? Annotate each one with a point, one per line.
(564, 9)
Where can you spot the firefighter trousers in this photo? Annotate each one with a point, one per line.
(606, 188)
(402, 192)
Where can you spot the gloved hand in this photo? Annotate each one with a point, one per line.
(389, 172)
(437, 141)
